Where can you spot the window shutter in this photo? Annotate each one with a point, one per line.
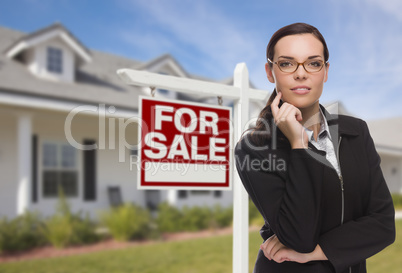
(34, 171)
(89, 172)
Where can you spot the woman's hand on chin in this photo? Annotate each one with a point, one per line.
(288, 118)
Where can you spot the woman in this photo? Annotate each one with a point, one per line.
(314, 177)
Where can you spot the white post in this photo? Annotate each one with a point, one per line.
(400, 175)
(172, 197)
(240, 196)
(242, 94)
(24, 163)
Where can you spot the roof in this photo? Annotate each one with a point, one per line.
(95, 82)
(52, 31)
(161, 61)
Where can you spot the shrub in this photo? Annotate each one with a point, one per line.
(172, 219)
(83, 230)
(168, 218)
(221, 217)
(127, 222)
(21, 233)
(254, 216)
(195, 218)
(65, 228)
(59, 231)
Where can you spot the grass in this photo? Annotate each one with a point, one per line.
(389, 260)
(397, 198)
(192, 256)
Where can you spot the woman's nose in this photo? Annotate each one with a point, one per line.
(300, 73)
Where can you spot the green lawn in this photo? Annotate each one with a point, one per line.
(193, 256)
(390, 259)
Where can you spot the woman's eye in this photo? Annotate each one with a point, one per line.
(286, 64)
(315, 64)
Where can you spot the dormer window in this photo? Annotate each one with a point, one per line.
(54, 60)
(52, 53)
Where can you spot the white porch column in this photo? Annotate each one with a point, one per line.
(24, 135)
(172, 197)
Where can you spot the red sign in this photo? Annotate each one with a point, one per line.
(184, 145)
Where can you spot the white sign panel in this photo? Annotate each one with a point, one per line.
(184, 145)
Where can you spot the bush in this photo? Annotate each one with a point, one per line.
(169, 218)
(172, 219)
(222, 217)
(127, 222)
(21, 233)
(254, 216)
(195, 218)
(66, 229)
(397, 198)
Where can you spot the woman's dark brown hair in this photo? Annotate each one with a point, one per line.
(262, 130)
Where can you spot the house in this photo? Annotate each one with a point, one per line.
(68, 121)
(386, 134)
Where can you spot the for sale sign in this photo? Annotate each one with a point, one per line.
(184, 145)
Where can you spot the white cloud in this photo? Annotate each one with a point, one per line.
(218, 42)
(392, 7)
(146, 44)
(365, 44)
(365, 68)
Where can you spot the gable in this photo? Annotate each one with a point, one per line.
(165, 64)
(52, 53)
(53, 32)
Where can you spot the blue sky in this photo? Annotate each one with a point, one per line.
(209, 37)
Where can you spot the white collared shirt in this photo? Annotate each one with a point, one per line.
(324, 142)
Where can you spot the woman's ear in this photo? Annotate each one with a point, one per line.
(326, 72)
(270, 75)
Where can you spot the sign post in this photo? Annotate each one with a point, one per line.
(241, 94)
(240, 196)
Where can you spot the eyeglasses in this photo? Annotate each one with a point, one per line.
(290, 66)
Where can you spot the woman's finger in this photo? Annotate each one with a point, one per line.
(267, 246)
(272, 247)
(298, 115)
(285, 112)
(274, 250)
(275, 104)
(281, 256)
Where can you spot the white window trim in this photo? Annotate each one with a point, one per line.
(57, 49)
(41, 168)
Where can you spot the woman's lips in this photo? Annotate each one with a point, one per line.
(301, 90)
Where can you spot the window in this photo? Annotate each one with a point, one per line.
(134, 151)
(182, 194)
(163, 92)
(200, 192)
(54, 60)
(60, 169)
(217, 194)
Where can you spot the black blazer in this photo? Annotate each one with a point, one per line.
(305, 203)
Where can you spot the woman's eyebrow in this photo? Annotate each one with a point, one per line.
(315, 56)
(292, 58)
(286, 57)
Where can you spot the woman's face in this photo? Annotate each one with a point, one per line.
(300, 88)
